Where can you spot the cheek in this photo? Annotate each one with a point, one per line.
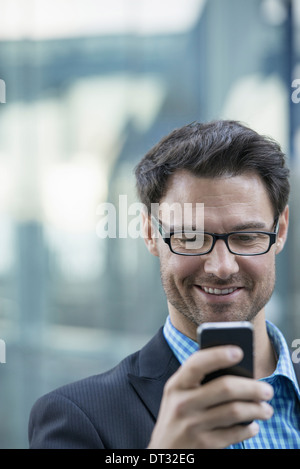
(261, 267)
(181, 266)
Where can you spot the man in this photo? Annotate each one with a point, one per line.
(154, 398)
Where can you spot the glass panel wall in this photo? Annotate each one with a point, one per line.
(86, 89)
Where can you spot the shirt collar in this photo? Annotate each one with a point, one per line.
(183, 347)
(284, 363)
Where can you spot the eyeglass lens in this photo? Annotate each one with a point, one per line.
(239, 243)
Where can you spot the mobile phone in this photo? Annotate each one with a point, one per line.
(238, 333)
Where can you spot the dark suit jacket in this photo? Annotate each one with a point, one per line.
(116, 409)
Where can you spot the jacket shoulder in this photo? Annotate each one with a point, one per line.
(101, 411)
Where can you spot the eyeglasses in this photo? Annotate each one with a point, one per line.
(198, 243)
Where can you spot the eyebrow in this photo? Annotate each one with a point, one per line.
(251, 225)
(182, 228)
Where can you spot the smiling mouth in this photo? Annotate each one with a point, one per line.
(218, 291)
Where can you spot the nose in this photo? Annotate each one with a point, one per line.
(220, 262)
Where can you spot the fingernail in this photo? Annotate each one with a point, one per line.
(235, 353)
(254, 426)
(267, 409)
(268, 391)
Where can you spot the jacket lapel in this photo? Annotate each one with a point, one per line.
(156, 363)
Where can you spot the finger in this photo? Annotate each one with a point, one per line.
(224, 390)
(235, 413)
(233, 388)
(222, 438)
(192, 372)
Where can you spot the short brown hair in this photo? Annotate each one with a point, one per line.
(214, 149)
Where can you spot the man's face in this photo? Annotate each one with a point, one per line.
(219, 286)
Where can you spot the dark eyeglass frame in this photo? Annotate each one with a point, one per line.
(224, 236)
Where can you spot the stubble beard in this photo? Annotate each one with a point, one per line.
(186, 304)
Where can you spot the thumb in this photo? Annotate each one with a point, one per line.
(206, 361)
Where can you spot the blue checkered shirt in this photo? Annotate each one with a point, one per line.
(282, 430)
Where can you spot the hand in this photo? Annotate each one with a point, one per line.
(209, 416)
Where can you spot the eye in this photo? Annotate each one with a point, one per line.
(185, 238)
(245, 237)
(188, 240)
(248, 239)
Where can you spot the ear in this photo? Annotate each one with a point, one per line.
(282, 230)
(149, 234)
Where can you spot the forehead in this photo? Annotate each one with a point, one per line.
(233, 198)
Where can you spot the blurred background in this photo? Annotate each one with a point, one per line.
(90, 86)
